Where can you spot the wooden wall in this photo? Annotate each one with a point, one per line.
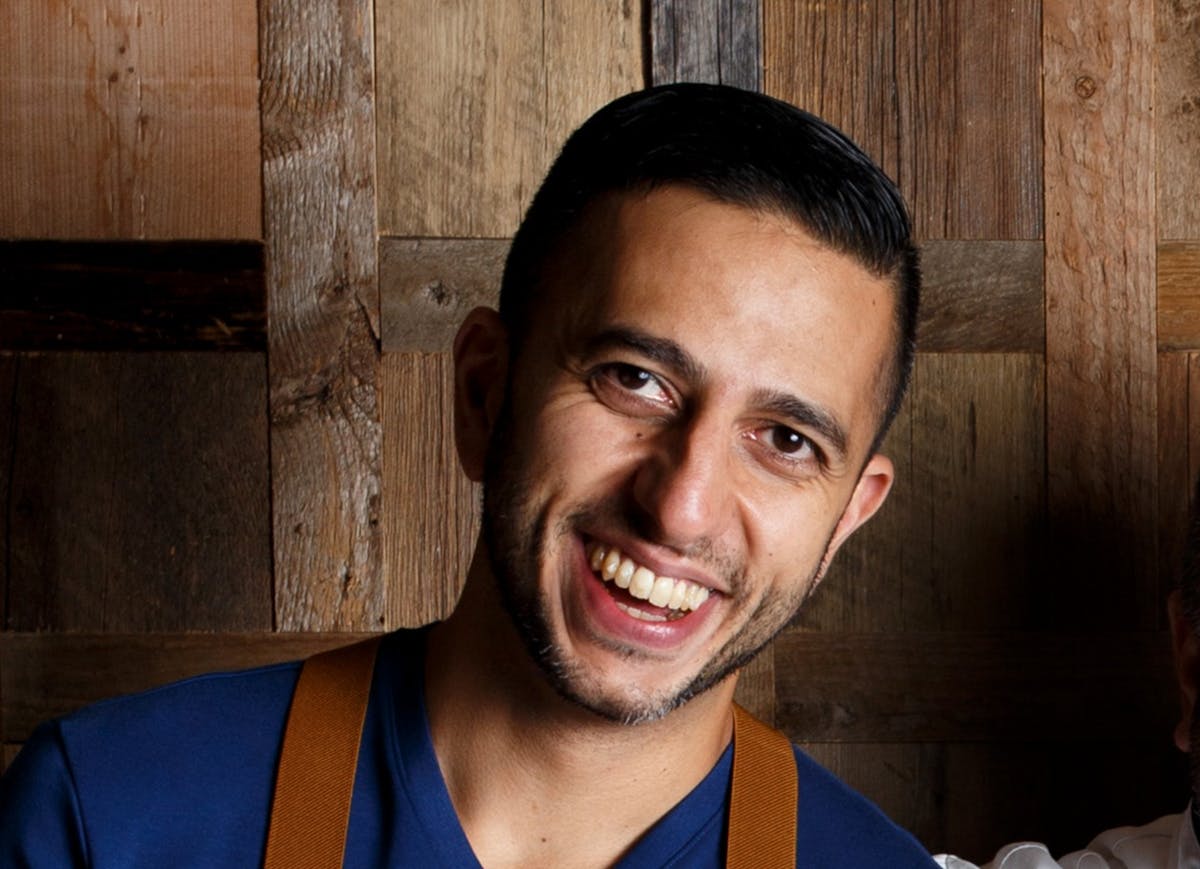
(239, 240)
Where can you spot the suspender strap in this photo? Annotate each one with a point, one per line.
(315, 780)
(762, 804)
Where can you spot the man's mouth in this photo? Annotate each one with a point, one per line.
(676, 596)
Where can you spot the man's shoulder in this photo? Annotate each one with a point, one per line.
(837, 826)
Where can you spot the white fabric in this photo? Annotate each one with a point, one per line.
(1168, 843)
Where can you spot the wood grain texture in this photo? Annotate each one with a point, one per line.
(1178, 278)
(432, 507)
(132, 296)
(958, 542)
(1101, 439)
(46, 675)
(982, 296)
(137, 119)
(945, 96)
(1174, 481)
(476, 99)
(974, 686)
(319, 195)
(717, 41)
(138, 493)
(1177, 108)
(429, 285)
(1193, 425)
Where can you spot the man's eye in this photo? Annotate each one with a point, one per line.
(788, 441)
(629, 380)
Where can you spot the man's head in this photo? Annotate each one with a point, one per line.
(675, 413)
(740, 148)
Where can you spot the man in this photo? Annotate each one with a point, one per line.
(705, 327)
(1171, 841)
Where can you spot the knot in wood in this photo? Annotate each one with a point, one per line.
(1085, 87)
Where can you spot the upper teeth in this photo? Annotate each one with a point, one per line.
(641, 582)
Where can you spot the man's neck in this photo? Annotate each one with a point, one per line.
(536, 779)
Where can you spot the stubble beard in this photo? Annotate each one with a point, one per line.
(518, 540)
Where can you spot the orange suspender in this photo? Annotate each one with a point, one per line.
(315, 782)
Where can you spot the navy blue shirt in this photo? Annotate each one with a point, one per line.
(182, 776)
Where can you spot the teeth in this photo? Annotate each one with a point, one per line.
(661, 591)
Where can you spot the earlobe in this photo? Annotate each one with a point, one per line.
(480, 375)
(1186, 649)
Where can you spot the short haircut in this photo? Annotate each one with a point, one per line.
(741, 148)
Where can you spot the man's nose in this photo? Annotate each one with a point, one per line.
(684, 487)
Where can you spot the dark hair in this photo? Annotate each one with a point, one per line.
(1189, 576)
(740, 147)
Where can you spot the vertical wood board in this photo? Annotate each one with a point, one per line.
(431, 507)
(476, 99)
(716, 41)
(1174, 481)
(323, 303)
(945, 96)
(137, 499)
(1101, 440)
(136, 120)
(1177, 107)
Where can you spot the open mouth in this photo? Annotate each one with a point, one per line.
(668, 598)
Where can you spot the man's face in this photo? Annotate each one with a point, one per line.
(680, 449)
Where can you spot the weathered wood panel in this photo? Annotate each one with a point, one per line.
(132, 296)
(131, 120)
(982, 296)
(1177, 107)
(429, 286)
(432, 508)
(46, 675)
(1101, 440)
(1193, 419)
(476, 98)
(1178, 274)
(974, 686)
(1174, 479)
(319, 201)
(137, 496)
(944, 95)
(956, 545)
(718, 41)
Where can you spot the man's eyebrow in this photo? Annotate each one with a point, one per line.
(807, 415)
(661, 350)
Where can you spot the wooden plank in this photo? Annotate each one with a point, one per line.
(974, 686)
(47, 675)
(138, 495)
(432, 508)
(958, 543)
(182, 295)
(1101, 384)
(429, 286)
(1177, 107)
(9, 369)
(946, 96)
(1178, 277)
(319, 194)
(137, 120)
(718, 41)
(1174, 481)
(1193, 419)
(477, 98)
(982, 296)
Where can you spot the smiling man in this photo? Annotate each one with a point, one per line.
(705, 327)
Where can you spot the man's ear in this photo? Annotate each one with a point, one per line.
(869, 494)
(1186, 647)
(480, 375)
